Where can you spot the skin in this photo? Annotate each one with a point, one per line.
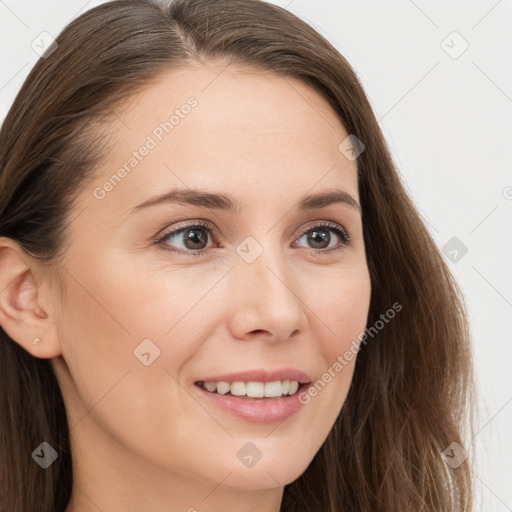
(141, 438)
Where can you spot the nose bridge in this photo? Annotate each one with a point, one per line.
(267, 297)
(268, 275)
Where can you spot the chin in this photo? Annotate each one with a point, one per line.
(266, 476)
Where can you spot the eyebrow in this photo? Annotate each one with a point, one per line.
(226, 202)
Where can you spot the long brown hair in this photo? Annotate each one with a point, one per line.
(412, 392)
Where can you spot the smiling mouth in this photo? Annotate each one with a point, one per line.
(254, 390)
(274, 401)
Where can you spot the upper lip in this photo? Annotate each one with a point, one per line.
(261, 375)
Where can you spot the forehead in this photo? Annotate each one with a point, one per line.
(271, 98)
(215, 126)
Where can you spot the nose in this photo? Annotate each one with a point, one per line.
(267, 300)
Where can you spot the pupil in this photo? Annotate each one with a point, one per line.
(192, 236)
(323, 236)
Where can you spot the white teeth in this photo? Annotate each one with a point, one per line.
(294, 385)
(273, 388)
(210, 386)
(238, 388)
(222, 387)
(254, 389)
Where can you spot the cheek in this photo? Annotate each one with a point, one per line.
(125, 301)
(341, 313)
(112, 319)
(343, 308)
(111, 393)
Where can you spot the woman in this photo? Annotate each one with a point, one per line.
(302, 347)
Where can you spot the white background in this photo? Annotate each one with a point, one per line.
(448, 122)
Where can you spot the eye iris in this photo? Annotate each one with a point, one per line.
(191, 235)
(322, 235)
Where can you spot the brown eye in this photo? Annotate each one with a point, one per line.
(319, 237)
(193, 237)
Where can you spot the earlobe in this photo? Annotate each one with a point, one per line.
(23, 316)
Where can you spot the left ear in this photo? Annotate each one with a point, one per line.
(26, 309)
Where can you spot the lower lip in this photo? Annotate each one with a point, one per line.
(256, 410)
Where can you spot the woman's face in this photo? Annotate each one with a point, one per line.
(247, 291)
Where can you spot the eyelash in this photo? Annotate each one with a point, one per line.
(340, 231)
